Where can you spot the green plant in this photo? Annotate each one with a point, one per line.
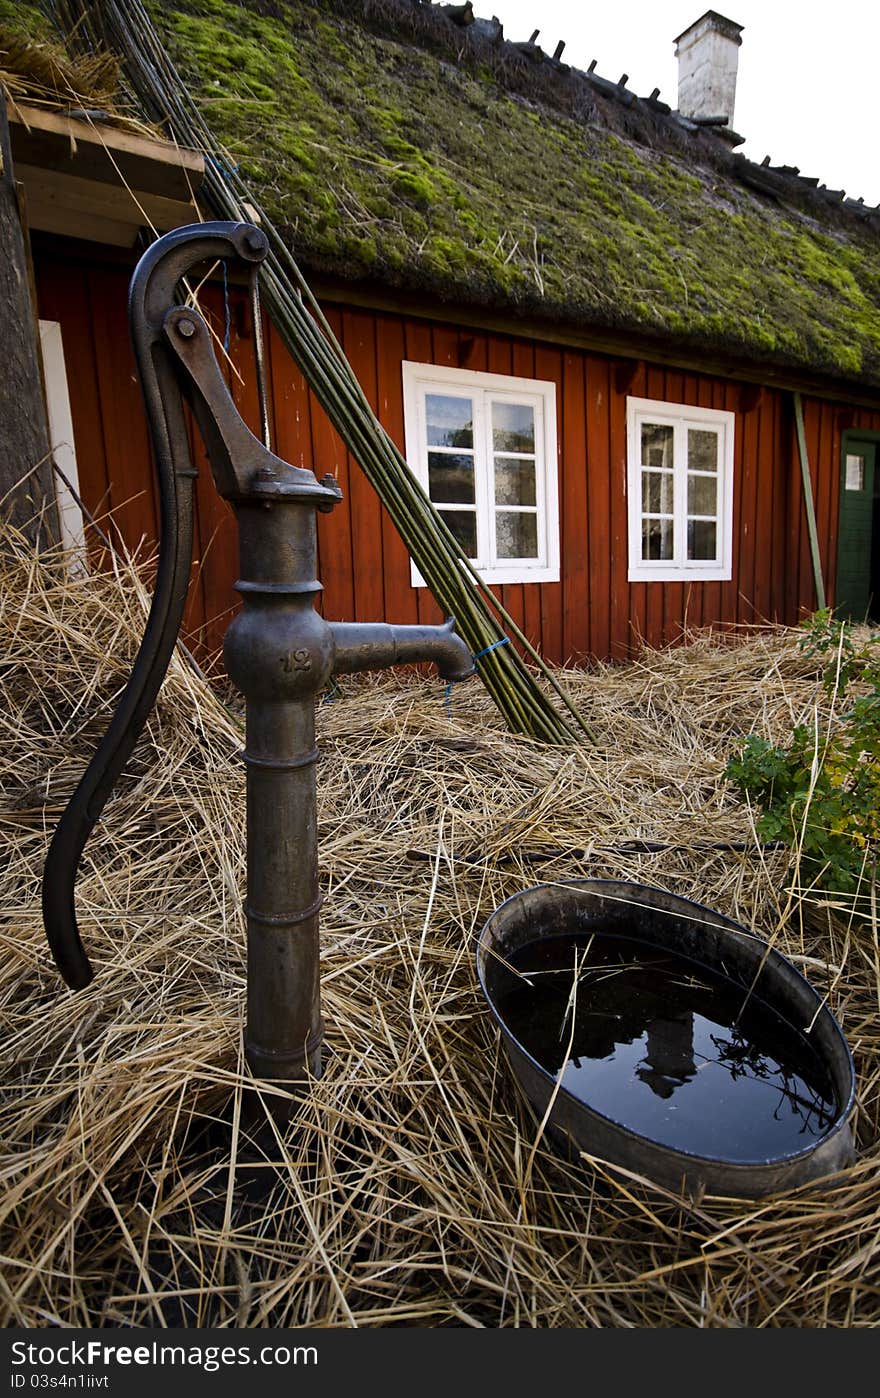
(820, 792)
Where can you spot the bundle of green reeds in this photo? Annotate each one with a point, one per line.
(126, 29)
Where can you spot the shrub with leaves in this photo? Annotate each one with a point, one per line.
(820, 792)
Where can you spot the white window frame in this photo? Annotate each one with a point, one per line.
(421, 379)
(679, 416)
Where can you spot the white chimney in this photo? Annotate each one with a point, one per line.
(707, 54)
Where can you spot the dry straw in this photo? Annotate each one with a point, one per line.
(41, 73)
(412, 1189)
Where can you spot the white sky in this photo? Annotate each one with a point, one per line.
(808, 87)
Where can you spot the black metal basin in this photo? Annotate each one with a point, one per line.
(720, 948)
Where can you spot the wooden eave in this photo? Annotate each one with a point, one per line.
(657, 349)
(84, 178)
(654, 349)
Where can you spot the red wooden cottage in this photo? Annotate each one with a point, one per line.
(593, 326)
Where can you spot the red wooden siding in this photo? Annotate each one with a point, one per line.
(364, 566)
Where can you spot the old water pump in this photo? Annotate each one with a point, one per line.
(279, 652)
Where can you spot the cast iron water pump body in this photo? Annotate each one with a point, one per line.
(279, 652)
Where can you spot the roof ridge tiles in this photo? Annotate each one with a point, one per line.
(716, 139)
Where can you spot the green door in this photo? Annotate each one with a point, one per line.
(854, 582)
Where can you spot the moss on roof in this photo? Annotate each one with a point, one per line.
(23, 20)
(383, 158)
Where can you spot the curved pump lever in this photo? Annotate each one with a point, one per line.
(279, 653)
(152, 293)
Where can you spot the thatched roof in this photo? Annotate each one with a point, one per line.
(397, 145)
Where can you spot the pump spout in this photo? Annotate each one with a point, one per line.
(376, 646)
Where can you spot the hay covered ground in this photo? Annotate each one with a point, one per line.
(413, 1190)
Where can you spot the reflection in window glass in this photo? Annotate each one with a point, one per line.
(702, 450)
(463, 524)
(657, 492)
(702, 495)
(451, 478)
(450, 421)
(513, 427)
(516, 535)
(514, 481)
(656, 538)
(657, 445)
(701, 538)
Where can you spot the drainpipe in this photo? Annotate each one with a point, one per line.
(806, 481)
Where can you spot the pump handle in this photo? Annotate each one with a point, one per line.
(152, 293)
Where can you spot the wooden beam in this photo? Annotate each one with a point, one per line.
(26, 485)
(93, 229)
(632, 345)
(56, 200)
(624, 374)
(99, 151)
(750, 395)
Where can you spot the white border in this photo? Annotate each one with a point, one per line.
(61, 433)
(541, 393)
(680, 415)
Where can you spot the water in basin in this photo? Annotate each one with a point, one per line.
(666, 1047)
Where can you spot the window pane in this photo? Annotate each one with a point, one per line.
(855, 473)
(656, 538)
(450, 421)
(702, 450)
(656, 445)
(516, 535)
(701, 538)
(451, 478)
(657, 492)
(513, 427)
(702, 495)
(463, 524)
(514, 481)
